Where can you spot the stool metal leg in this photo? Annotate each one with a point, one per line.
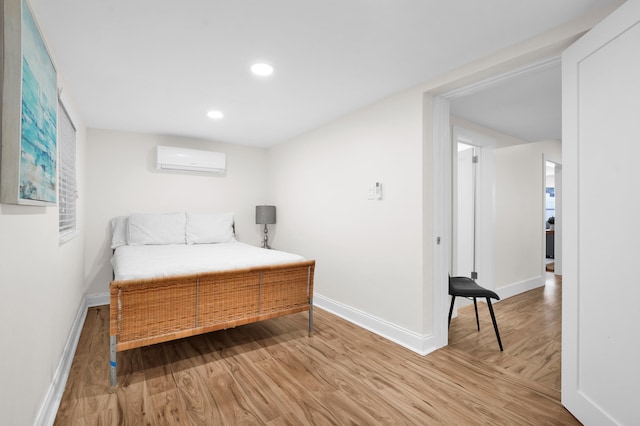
(453, 300)
(475, 305)
(495, 324)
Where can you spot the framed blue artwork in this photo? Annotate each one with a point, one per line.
(29, 116)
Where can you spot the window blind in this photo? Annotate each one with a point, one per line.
(67, 190)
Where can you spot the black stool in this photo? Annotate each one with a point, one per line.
(466, 287)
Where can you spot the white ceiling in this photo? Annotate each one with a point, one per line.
(158, 66)
(526, 105)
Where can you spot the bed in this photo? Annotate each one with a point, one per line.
(182, 274)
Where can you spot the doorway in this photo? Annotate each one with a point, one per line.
(552, 226)
(444, 164)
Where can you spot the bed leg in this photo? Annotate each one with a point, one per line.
(310, 317)
(112, 361)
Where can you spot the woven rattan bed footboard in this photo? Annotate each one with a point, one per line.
(155, 310)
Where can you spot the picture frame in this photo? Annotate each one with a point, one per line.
(28, 159)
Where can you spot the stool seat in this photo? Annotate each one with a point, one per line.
(466, 287)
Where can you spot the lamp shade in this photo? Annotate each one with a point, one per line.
(266, 215)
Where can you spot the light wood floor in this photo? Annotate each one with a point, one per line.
(272, 373)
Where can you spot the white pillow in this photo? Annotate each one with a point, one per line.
(119, 231)
(208, 228)
(168, 228)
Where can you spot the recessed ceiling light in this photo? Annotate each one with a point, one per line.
(261, 69)
(216, 115)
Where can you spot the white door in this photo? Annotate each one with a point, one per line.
(473, 221)
(601, 283)
(464, 212)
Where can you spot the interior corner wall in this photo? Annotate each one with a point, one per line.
(369, 253)
(122, 179)
(42, 290)
(519, 213)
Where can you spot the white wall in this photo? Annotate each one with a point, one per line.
(122, 179)
(519, 214)
(369, 252)
(42, 289)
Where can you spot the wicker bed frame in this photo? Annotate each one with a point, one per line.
(155, 310)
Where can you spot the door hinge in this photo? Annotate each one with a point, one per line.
(474, 159)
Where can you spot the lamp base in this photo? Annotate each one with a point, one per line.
(265, 241)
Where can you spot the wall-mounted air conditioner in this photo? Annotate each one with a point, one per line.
(195, 160)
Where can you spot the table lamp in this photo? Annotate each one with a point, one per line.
(265, 215)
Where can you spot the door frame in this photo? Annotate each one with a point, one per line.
(442, 188)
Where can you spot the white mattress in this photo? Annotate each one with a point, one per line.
(136, 262)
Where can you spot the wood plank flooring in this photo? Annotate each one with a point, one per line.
(272, 373)
(530, 328)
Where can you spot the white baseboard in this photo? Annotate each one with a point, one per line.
(421, 344)
(97, 299)
(49, 408)
(520, 287)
